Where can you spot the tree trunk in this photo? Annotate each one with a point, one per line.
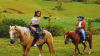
(59, 6)
(89, 25)
(87, 1)
(67, 1)
(0, 13)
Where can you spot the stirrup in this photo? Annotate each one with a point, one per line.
(83, 41)
(36, 44)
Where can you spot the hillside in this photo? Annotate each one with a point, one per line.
(73, 9)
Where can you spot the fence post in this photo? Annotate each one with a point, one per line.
(89, 24)
(49, 22)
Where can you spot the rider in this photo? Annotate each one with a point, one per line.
(81, 26)
(34, 24)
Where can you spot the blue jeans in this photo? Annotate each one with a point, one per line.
(83, 33)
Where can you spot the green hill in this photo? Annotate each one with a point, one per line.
(73, 9)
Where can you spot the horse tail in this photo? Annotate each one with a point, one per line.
(49, 41)
(90, 39)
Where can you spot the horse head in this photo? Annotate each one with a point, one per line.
(66, 36)
(13, 33)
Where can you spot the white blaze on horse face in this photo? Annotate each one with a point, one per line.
(65, 37)
(11, 34)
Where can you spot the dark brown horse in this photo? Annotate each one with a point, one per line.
(76, 40)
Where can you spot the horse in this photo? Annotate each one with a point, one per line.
(77, 40)
(26, 40)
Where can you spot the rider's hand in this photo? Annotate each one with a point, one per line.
(78, 27)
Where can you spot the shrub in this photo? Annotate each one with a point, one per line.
(95, 31)
(55, 30)
(97, 2)
(4, 26)
(96, 20)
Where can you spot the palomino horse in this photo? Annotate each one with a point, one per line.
(76, 40)
(26, 39)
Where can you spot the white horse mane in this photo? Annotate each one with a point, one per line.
(23, 29)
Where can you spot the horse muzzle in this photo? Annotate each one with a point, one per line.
(66, 42)
(12, 41)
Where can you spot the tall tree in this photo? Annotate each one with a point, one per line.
(59, 4)
(67, 0)
(0, 12)
(87, 1)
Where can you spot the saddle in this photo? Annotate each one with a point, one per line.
(80, 34)
(41, 34)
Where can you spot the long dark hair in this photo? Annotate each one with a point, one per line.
(35, 15)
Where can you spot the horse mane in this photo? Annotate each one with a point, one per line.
(22, 29)
(71, 36)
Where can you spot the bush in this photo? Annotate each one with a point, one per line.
(55, 30)
(97, 2)
(95, 31)
(96, 20)
(4, 26)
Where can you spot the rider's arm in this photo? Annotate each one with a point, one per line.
(77, 25)
(83, 25)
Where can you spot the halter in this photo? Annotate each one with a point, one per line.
(68, 35)
(14, 32)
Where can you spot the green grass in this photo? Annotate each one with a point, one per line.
(66, 19)
(7, 49)
(73, 9)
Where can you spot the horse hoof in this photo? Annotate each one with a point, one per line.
(73, 55)
(79, 55)
(89, 53)
(83, 53)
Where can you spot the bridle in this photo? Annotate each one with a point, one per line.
(14, 33)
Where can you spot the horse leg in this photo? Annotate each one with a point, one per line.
(74, 52)
(27, 50)
(84, 47)
(76, 47)
(40, 49)
(51, 48)
(24, 48)
(90, 45)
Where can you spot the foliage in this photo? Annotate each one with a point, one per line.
(96, 20)
(4, 26)
(95, 28)
(95, 31)
(55, 30)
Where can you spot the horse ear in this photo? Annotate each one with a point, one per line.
(15, 26)
(66, 32)
(10, 26)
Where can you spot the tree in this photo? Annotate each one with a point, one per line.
(98, 1)
(87, 1)
(0, 12)
(59, 4)
(67, 0)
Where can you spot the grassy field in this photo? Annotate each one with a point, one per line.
(7, 49)
(73, 9)
(66, 18)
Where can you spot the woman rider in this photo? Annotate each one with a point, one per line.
(34, 24)
(81, 27)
